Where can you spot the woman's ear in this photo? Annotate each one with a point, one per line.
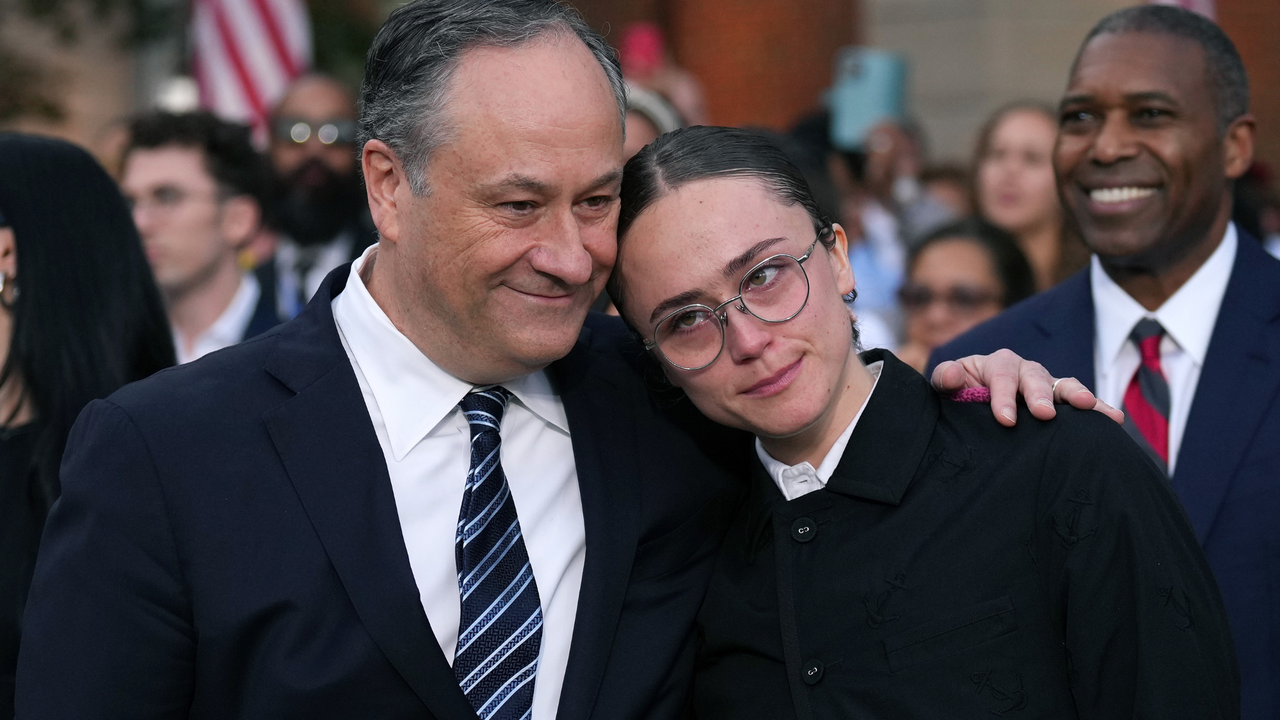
(8, 254)
(840, 260)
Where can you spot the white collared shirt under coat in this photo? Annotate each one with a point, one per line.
(1188, 318)
(797, 480)
(230, 326)
(425, 439)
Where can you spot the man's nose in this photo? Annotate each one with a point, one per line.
(563, 253)
(1115, 140)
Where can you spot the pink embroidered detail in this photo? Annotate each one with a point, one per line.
(972, 395)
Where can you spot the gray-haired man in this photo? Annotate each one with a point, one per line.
(323, 522)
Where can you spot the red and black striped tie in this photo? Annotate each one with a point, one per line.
(1146, 401)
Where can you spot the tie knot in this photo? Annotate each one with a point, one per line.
(1146, 328)
(484, 408)
(1146, 335)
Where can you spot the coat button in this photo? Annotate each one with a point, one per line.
(812, 672)
(804, 529)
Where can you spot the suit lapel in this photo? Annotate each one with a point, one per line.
(1067, 331)
(331, 453)
(605, 451)
(1238, 383)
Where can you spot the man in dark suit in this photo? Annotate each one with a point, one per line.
(434, 494)
(1178, 318)
(197, 188)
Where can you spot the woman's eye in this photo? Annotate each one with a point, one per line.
(762, 276)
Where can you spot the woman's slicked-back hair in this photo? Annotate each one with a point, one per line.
(413, 56)
(88, 317)
(699, 153)
(1007, 259)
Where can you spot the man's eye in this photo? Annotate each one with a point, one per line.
(168, 196)
(598, 202)
(1075, 116)
(1152, 113)
(519, 206)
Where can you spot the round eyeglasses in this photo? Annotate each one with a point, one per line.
(774, 290)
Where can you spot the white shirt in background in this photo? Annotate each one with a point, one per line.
(426, 442)
(797, 480)
(230, 326)
(1188, 318)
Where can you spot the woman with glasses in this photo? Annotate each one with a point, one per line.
(894, 556)
(957, 277)
(79, 317)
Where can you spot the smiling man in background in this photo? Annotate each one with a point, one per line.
(1178, 319)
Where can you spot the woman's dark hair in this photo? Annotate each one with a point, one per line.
(88, 317)
(698, 153)
(1010, 265)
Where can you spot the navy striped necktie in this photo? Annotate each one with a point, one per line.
(1146, 400)
(500, 632)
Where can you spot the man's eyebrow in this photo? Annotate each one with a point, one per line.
(1130, 98)
(730, 269)
(609, 178)
(1155, 95)
(516, 181)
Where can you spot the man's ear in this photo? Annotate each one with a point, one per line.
(840, 259)
(1237, 146)
(386, 184)
(241, 218)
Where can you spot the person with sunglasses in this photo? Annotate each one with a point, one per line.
(957, 277)
(895, 556)
(318, 206)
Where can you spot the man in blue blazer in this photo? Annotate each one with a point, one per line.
(434, 494)
(1178, 319)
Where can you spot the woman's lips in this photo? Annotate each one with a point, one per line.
(775, 383)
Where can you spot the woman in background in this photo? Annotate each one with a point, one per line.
(1015, 189)
(80, 316)
(957, 277)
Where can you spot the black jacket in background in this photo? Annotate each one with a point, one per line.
(954, 568)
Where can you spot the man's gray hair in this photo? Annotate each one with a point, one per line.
(407, 72)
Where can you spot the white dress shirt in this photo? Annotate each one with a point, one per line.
(1188, 318)
(426, 440)
(797, 480)
(325, 258)
(230, 326)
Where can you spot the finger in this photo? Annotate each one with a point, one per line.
(1000, 372)
(1110, 412)
(1036, 385)
(949, 377)
(1074, 393)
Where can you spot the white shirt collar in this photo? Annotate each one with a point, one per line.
(797, 480)
(413, 393)
(230, 326)
(1188, 316)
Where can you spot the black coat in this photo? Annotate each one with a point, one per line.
(1228, 469)
(227, 545)
(954, 568)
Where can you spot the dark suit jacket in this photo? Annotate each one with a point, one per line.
(227, 545)
(265, 316)
(954, 568)
(1228, 469)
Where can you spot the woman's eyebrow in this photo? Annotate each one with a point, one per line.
(734, 266)
(743, 261)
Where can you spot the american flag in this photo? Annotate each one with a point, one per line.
(245, 53)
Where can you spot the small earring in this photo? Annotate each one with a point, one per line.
(7, 304)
